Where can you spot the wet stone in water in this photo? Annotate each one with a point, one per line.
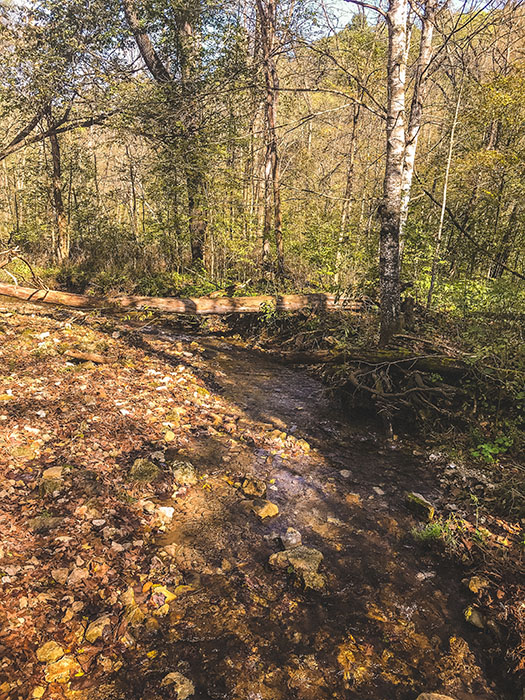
(304, 561)
(253, 487)
(264, 509)
(291, 538)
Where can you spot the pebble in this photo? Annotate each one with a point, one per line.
(345, 473)
(264, 509)
(291, 538)
(182, 686)
(50, 651)
(99, 522)
(61, 671)
(165, 513)
(253, 487)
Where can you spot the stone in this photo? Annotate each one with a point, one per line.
(62, 670)
(304, 561)
(144, 471)
(353, 499)
(477, 583)
(50, 486)
(98, 523)
(60, 575)
(53, 473)
(50, 651)
(345, 473)
(264, 509)
(184, 473)
(291, 538)
(43, 524)
(419, 505)
(181, 686)
(38, 692)
(96, 629)
(253, 487)
(475, 618)
(165, 513)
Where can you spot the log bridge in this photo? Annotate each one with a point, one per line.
(191, 305)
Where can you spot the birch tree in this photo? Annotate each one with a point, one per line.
(390, 208)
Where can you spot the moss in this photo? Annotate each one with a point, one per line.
(144, 471)
(420, 506)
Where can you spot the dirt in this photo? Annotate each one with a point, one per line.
(389, 621)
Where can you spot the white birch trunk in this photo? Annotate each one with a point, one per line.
(416, 112)
(395, 151)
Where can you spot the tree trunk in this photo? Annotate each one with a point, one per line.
(198, 222)
(61, 238)
(390, 209)
(439, 235)
(266, 10)
(416, 112)
(198, 305)
(349, 189)
(194, 174)
(150, 57)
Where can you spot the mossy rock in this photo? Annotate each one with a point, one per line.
(48, 487)
(419, 505)
(143, 471)
(43, 524)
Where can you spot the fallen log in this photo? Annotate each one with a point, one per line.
(196, 305)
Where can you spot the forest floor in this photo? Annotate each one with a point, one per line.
(187, 519)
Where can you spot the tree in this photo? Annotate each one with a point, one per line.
(267, 18)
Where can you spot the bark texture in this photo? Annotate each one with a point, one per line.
(416, 108)
(390, 209)
(198, 305)
(61, 238)
(266, 11)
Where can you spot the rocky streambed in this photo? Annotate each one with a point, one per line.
(189, 520)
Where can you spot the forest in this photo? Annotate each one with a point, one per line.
(262, 388)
